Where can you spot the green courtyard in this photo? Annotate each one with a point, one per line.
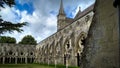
(33, 66)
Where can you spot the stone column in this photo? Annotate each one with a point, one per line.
(67, 59)
(15, 60)
(16, 57)
(3, 60)
(30, 60)
(26, 54)
(21, 59)
(55, 63)
(10, 60)
(39, 60)
(26, 60)
(48, 61)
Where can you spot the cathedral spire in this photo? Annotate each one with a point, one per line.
(61, 17)
(79, 9)
(61, 10)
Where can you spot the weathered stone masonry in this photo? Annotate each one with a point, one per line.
(66, 45)
(16, 53)
(90, 39)
(102, 47)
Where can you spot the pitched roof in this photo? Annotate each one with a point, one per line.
(87, 10)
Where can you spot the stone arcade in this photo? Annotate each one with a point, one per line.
(66, 45)
(90, 40)
(14, 53)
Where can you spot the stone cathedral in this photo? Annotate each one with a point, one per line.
(66, 45)
(89, 40)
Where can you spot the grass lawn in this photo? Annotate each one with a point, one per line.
(32, 66)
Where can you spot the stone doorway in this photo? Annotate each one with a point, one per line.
(78, 59)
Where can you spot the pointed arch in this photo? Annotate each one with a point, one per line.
(78, 42)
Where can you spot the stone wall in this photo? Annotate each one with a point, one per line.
(16, 53)
(102, 48)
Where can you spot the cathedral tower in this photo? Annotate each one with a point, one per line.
(61, 17)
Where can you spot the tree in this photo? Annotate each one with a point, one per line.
(8, 2)
(6, 26)
(7, 39)
(28, 39)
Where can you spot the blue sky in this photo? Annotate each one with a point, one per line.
(26, 6)
(41, 16)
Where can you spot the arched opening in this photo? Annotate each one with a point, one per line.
(13, 60)
(18, 60)
(83, 42)
(6, 60)
(1, 60)
(79, 47)
(31, 53)
(10, 53)
(32, 60)
(67, 51)
(23, 60)
(78, 59)
(28, 60)
(21, 53)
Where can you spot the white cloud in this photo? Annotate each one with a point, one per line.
(37, 27)
(8, 14)
(41, 23)
(32, 19)
(51, 21)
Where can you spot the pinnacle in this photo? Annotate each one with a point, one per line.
(61, 10)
